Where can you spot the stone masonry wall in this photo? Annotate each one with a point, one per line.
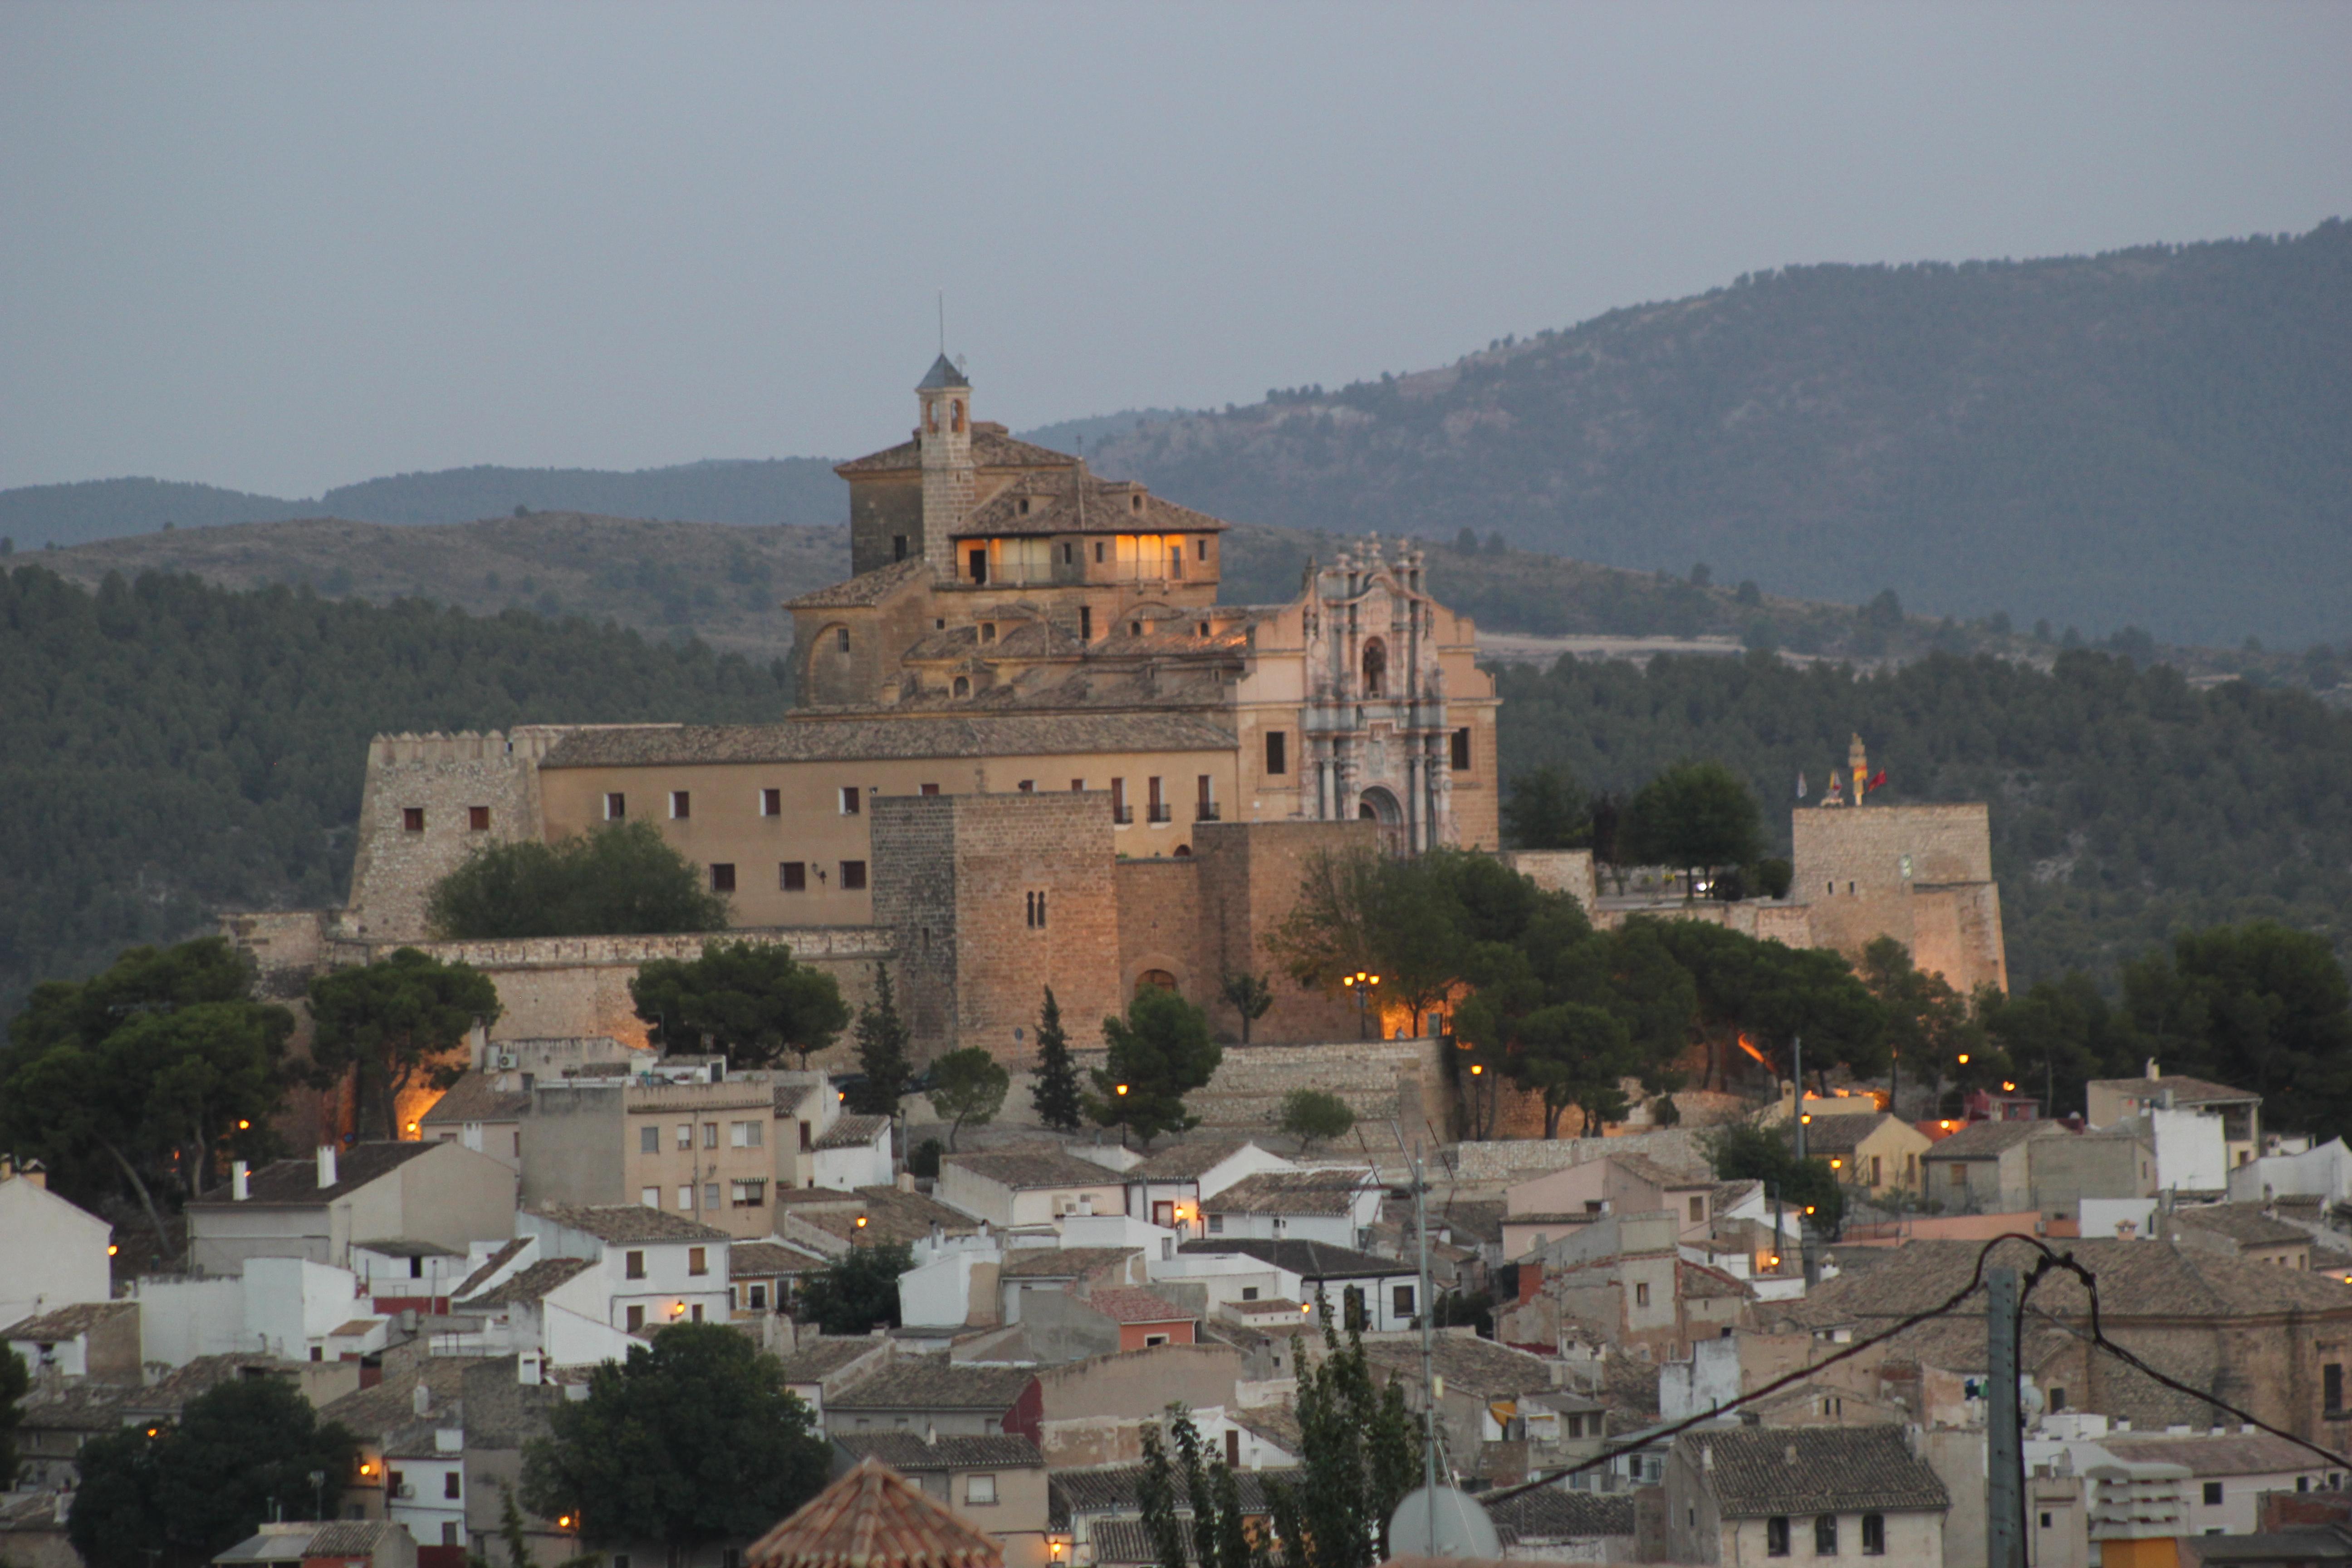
(1250, 875)
(915, 901)
(445, 776)
(1922, 874)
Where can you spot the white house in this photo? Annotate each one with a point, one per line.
(57, 1252)
(1360, 1290)
(642, 1268)
(2322, 1172)
(852, 1151)
(425, 1472)
(1336, 1205)
(1024, 1187)
(1167, 1188)
(89, 1339)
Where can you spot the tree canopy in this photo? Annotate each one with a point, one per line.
(1158, 1054)
(623, 879)
(1696, 815)
(144, 1077)
(1314, 1116)
(884, 1067)
(748, 1001)
(187, 1490)
(859, 1290)
(967, 1086)
(694, 1439)
(1054, 1092)
(396, 1022)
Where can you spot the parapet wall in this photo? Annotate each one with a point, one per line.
(417, 815)
(1921, 874)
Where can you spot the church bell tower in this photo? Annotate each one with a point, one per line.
(949, 482)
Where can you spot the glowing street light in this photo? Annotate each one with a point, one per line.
(1363, 983)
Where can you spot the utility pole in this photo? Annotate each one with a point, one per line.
(1428, 1351)
(2005, 1440)
(1801, 1098)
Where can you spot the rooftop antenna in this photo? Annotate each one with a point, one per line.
(943, 323)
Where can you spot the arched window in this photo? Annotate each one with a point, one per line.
(955, 416)
(962, 686)
(1151, 979)
(1376, 665)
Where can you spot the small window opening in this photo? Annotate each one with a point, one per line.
(792, 876)
(1085, 624)
(962, 689)
(898, 547)
(478, 818)
(616, 807)
(681, 804)
(1461, 749)
(723, 876)
(1278, 751)
(853, 876)
(852, 803)
(841, 638)
(412, 818)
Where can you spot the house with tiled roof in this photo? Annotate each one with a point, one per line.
(1874, 1150)
(1361, 1290)
(350, 1543)
(820, 1365)
(1013, 1188)
(997, 1483)
(316, 1208)
(874, 1517)
(88, 1339)
(1336, 1204)
(1548, 1521)
(1065, 1325)
(2245, 1231)
(2236, 1114)
(1028, 1269)
(1092, 1411)
(1101, 1508)
(853, 1152)
(1613, 1184)
(1746, 1494)
(829, 1222)
(1167, 1187)
(638, 1269)
(924, 1393)
(764, 1276)
(481, 1115)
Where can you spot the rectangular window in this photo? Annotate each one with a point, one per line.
(1642, 1293)
(478, 818)
(898, 547)
(1201, 548)
(1959, 1174)
(772, 803)
(636, 1318)
(979, 562)
(1278, 751)
(1099, 552)
(1152, 1340)
(841, 638)
(710, 1195)
(649, 1196)
(754, 1135)
(723, 876)
(1121, 813)
(710, 1135)
(681, 804)
(1159, 807)
(806, 1142)
(412, 818)
(1035, 911)
(617, 806)
(1078, 785)
(752, 1195)
(633, 1265)
(1697, 1210)
(1461, 749)
(1069, 552)
(1176, 559)
(1086, 622)
(1874, 1533)
(1401, 1301)
(853, 876)
(1776, 1536)
(1824, 1535)
(649, 1140)
(1217, 1224)
(1204, 804)
(686, 1200)
(1249, 1292)
(449, 1482)
(698, 1260)
(759, 1298)
(1026, 786)
(928, 789)
(849, 800)
(980, 1492)
(1873, 1169)
(2212, 1494)
(792, 876)
(2331, 1382)
(686, 1134)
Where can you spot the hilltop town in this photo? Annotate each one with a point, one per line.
(1091, 1073)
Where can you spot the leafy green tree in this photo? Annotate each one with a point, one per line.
(1314, 1116)
(694, 1439)
(1251, 996)
(396, 1022)
(13, 1382)
(622, 879)
(1696, 815)
(1545, 809)
(1751, 1152)
(968, 1086)
(748, 1001)
(2063, 1031)
(1360, 1453)
(923, 1160)
(177, 1494)
(1158, 1054)
(143, 1077)
(859, 1290)
(1571, 1054)
(2257, 1006)
(1054, 1092)
(1197, 1483)
(881, 1052)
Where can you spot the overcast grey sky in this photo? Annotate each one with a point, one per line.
(284, 247)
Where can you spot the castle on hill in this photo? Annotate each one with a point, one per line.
(1031, 749)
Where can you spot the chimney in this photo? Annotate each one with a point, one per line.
(420, 1398)
(240, 1186)
(930, 1434)
(1790, 1453)
(1706, 1457)
(529, 1369)
(2154, 1071)
(326, 1166)
(905, 1180)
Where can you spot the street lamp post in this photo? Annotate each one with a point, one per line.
(1362, 984)
(1121, 1092)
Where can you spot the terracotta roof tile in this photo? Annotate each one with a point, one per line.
(1759, 1472)
(2231, 1454)
(1128, 1305)
(2185, 1091)
(1308, 1259)
(1075, 501)
(476, 1097)
(992, 448)
(490, 1266)
(866, 588)
(1034, 1168)
(2245, 1223)
(1321, 1191)
(819, 1359)
(851, 1132)
(69, 1322)
(1989, 1140)
(872, 1517)
(934, 1382)
(1183, 1162)
(1063, 1262)
(1549, 1513)
(907, 1451)
(525, 1285)
(1474, 1366)
(294, 1184)
(1842, 1134)
(620, 1222)
(881, 739)
(763, 1259)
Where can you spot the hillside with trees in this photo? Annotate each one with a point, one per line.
(2126, 804)
(2159, 436)
(169, 748)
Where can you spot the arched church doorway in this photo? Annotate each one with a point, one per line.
(1377, 805)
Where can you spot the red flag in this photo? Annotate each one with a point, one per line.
(1877, 779)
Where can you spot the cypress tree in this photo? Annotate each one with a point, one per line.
(881, 1052)
(1056, 1092)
